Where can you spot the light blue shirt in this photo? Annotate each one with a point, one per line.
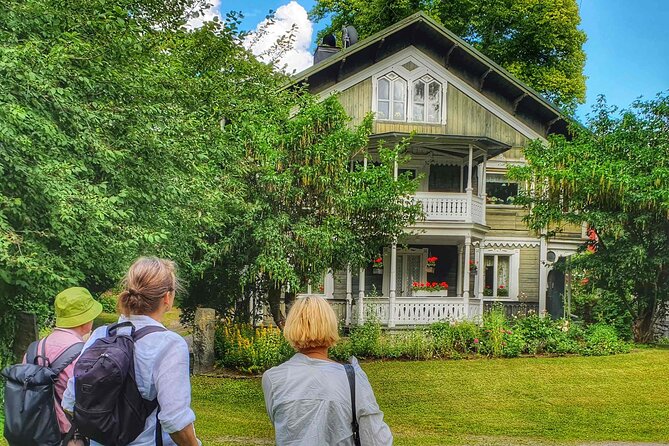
(162, 371)
(309, 403)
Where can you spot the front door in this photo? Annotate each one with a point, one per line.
(409, 270)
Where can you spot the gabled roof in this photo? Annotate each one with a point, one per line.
(451, 52)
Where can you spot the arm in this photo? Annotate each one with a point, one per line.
(185, 437)
(373, 430)
(172, 382)
(267, 392)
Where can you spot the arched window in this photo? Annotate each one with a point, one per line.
(426, 102)
(391, 98)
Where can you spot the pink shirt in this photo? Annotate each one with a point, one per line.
(56, 343)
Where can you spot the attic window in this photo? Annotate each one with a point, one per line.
(416, 99)
(391, 103)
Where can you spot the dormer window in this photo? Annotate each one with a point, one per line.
(412, 96)
(391, 98)
(426, 103)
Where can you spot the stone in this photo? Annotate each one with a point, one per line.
(204, 334)
(26, 333)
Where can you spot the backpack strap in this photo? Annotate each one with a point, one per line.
(67, 357)
(31, 354)
(139, 334)
(350, 373)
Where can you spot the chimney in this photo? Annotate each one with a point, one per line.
(327, 48)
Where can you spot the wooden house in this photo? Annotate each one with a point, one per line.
(471, 120)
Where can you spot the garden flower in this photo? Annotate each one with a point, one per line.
(476, 340)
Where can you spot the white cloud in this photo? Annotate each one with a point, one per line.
(289, 19)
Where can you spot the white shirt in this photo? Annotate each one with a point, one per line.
(309, 403)
(162, 370)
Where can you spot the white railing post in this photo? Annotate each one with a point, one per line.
(361, 296)
(481, 272)
(349, 292)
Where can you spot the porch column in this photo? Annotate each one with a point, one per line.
(349, 292)
(461, 262)
(543, 273)
(481, 272)
(393, 270)
(361, 296)
(465, 275)
(469, 189)
(483, 188)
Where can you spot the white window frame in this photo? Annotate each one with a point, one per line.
(514, 272)
(410, 77)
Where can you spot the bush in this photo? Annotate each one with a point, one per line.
(602, 340)
(454, 340)
(538, 333)
(498, 340)
(241, 347)
(108, 300)
(365, 340)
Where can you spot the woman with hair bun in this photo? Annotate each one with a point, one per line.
(161, 357)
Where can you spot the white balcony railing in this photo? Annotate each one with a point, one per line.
(441, 206)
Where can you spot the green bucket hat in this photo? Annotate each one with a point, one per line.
(75, 306)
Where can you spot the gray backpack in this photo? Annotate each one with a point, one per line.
(30, 413)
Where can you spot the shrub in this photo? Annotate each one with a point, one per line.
(341, 352)
(602, 339)
(108, 300)
(241, 347)
(498, 339)
(538, 333)
(365, 340)
(454, 340)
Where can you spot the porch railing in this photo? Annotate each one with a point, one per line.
(408, 311)
(439, 206)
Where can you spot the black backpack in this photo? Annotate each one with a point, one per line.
(30, 413)
(108, 407)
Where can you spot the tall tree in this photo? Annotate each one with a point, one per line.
(615, 177)
(536, 40)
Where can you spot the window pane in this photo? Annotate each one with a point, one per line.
(418, 112)
(434, 90)
(384, 88)
(398, 111)
(489, 266)
(500, 190)
(383, 111)
(503, 272)
(434, 99)
(399, 90)
(419, 92)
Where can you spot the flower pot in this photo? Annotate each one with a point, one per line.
(424, 293)
(377, 270)
(430, 269)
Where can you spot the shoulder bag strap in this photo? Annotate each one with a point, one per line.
(350, 373)
(139, 334)
(64, 359)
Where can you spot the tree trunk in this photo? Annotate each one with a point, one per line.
(643, 327)
(289, 298)
(274, 299)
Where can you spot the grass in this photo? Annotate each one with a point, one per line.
(539, 401)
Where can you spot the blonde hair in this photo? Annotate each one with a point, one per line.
(145, 284)
(311, 323)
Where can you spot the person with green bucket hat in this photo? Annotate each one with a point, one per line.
(75, 311)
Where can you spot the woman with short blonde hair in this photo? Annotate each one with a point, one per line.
(308, 398)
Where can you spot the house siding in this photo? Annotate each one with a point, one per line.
(528, 277)
(357, 100)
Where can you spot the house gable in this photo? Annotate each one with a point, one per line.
(464, 111)
(473, 72)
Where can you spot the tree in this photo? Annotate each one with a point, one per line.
(614, 176)
(110, 145)
(536, 40)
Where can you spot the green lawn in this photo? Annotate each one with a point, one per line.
(573, 400)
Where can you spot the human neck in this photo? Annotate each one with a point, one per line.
(316, 353)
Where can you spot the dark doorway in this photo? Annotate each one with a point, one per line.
(555, 293)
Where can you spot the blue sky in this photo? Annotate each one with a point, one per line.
(627, 49)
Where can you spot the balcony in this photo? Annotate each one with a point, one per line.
(452, 207)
